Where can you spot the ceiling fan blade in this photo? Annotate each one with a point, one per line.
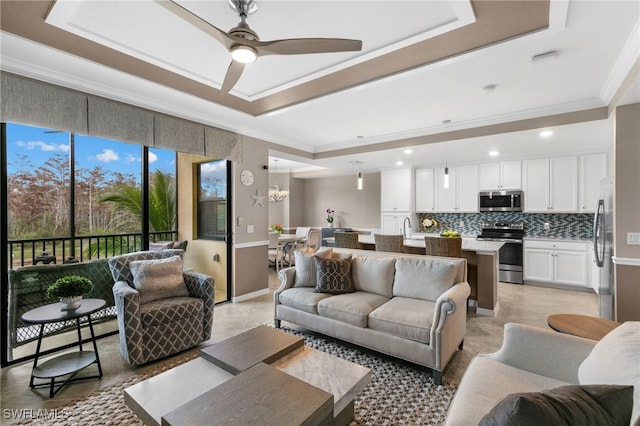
(197, 22)
(300, 46)
(233, 75)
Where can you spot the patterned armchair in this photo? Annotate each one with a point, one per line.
(159, 328)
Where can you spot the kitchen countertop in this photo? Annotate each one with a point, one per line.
(468, 243)
(550, 238)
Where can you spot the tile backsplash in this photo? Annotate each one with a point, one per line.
(560, 225)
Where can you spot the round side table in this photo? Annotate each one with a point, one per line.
(67, 364)
(593, 328)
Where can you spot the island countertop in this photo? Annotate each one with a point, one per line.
(468, 244)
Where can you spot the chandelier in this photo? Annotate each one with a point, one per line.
(275, 193)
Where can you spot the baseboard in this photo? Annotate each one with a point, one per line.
(249, 296)
(488, 312)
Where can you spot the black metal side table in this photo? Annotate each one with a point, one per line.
(68, 363)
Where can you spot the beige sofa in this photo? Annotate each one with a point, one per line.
(532, 360)
(409, 306)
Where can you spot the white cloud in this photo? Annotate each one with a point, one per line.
(152, 157)
(107, 155)
(212, 167)
(45, 147)
(132, 159)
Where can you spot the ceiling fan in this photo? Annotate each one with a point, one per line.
(245, 46)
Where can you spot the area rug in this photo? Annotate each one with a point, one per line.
(399, 394)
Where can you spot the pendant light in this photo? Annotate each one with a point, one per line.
(359, 176)
(445, 181)
(275, 193)
(360, 186)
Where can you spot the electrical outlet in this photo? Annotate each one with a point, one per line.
(633, 238)
(249, 229)
(547, 226)
(461, 224)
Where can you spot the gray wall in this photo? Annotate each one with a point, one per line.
(355, 209)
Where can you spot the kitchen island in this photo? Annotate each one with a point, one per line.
(482, 267)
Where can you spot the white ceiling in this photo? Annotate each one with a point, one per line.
(597, 43)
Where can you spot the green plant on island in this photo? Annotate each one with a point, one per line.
(70, 286)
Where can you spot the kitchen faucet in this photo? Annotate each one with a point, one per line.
(404, 227)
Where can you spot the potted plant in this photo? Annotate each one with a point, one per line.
(69, 290)
(330, 214)
(276, 227)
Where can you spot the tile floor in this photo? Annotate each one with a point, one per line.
(523, 304)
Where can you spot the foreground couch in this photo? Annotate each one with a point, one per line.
(532, 360)
(409, 306)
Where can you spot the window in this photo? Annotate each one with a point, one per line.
(212, 200)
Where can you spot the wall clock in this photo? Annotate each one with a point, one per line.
(246, 177)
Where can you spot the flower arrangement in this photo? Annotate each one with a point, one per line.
(70, 286)
(276, 227)
(429, 223)
(330, 214)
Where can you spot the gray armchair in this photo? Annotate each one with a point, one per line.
(154, 330)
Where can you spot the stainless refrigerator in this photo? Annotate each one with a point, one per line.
(603, 248)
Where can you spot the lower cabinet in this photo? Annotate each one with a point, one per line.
(392, 222)
(557, 262)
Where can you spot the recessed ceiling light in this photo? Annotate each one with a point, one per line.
(546, 133)
(399, 163)
(489, 88)
(494, 153)
(408, 151)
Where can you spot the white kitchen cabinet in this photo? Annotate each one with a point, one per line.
(467, 189)
(396, 190)
(392, 223)
(462, 194)
(593, 168)
(502, 175)
(551, 185)
(556, 262)
(425, 197)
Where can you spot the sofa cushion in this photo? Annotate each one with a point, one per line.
(158, 278)
(333, 276)
(570, 405)
(352, 308)
(373, 274)
(302, 298)
(615, 359)
(485, 383)
(422, 278)
(170, 310)
(404, 317)
(306, 267)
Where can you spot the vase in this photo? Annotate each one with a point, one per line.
(330, 224)
(70, 303)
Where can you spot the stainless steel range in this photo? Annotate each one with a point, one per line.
(510, 256)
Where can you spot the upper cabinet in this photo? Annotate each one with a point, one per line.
(593, 168)
(551, 185)
(425, 191)
(503, 175)
(462, 194)
(396, 190)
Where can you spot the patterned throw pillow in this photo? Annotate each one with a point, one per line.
(158, 278)
(333, 276)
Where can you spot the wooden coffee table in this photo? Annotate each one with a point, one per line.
(171, 396)
(593, 328)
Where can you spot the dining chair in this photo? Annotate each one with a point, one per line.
(443, 246)
(312, 243)
(347, 240)
(393, 243)
(274, 250)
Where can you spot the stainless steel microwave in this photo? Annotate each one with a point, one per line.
(500, 201)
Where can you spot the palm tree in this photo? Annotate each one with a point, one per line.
(128, 206)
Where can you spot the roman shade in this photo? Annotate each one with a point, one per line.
(35, 103)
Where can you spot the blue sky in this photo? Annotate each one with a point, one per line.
(40, 144)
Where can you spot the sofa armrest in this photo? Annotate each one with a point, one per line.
(449, 322)
(543, 352)
(203, 287)
(287, 278)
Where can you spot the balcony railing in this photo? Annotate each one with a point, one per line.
(79, 249)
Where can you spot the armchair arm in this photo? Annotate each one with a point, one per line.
(127, 300)
(449, 322)
(543, 352)
(203, 287)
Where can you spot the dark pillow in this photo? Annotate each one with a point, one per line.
(333, 276)
(565, 405)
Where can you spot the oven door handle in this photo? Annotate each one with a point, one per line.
(502, 240)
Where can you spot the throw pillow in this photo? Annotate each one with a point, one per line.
(160, 245)
(306, 267)
(158, 278)
(565, 405)
(333, 276)
(423, 278)
(615, 359)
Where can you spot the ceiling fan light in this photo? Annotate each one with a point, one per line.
(244, 54)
